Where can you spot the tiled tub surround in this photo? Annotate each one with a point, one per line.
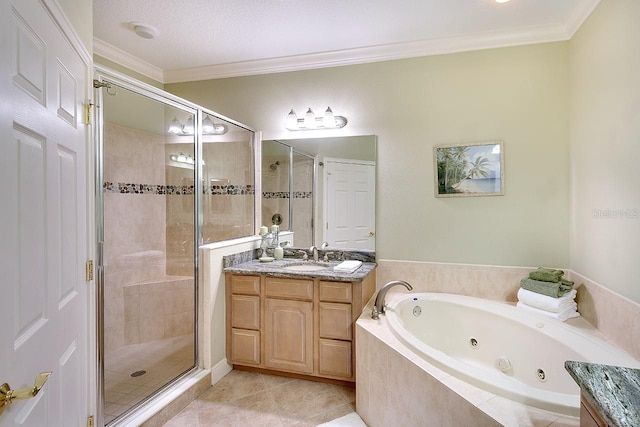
(446, 400)
(396, 387)
(614, 316)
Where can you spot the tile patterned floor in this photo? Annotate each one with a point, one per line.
(162, 360)
(251, 399)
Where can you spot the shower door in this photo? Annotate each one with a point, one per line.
(147, 174)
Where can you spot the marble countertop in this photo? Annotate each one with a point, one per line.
(613, 391)
(277, 268)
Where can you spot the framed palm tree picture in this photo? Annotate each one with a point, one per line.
(475, 169)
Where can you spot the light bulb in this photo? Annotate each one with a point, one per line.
(328, 120)
(207, 125)
(188, 127)
(309, 119)
(292, 120)
(219, 129)
(175, 127)
(181, 158)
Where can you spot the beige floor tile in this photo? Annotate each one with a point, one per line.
(247, 399)
(300, 400)
(234, 385)
(337, 412)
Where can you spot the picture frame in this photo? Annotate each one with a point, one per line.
(473, 169)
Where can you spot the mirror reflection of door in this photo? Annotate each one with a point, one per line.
(360, 148)
(350, 204)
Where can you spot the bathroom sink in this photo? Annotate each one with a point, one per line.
(306, 267)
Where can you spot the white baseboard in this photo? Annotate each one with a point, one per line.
(219, 370)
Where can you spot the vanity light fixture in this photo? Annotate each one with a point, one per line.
(183, 158)
(310, 122)
(208, 127)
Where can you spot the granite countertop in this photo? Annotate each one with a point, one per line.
(276, 268)
(613, 391)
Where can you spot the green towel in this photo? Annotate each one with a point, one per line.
(546, 275)
(555, 290)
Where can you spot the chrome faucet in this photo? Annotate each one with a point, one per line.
(314, 252)
(378, 306)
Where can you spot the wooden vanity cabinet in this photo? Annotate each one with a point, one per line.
(589, 416)
(297, 325)
(244, 322)
(288, 324)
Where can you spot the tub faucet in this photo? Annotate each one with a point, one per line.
(378, 306)
(314, 252)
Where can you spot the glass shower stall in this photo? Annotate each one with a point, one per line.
(171, 176)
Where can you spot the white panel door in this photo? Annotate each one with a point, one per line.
(350, 204)
(42, 217)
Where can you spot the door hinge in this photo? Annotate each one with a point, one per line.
(89, 271)
(87, 113)
(90, 421)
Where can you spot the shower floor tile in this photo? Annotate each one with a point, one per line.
(247, 399)
(162, 360)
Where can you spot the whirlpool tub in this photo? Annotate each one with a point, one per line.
(500, 348)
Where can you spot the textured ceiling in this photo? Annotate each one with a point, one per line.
(253, 36)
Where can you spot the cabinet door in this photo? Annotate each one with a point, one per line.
(289, 335)
(245, 347)
(335, 358)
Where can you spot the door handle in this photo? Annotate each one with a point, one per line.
(7, 395)
(372, 234)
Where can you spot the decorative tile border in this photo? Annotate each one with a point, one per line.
(214, 190)
(285, 194)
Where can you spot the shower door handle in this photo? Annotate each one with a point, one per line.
(7, 395)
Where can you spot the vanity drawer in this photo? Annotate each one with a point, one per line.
(335, 358)
(289, 288)
(335, 291)
(249, 285)
(335, 320)
(245, 346)
(245, 311)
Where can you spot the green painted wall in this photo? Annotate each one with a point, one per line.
(517, 95)
(605, 147)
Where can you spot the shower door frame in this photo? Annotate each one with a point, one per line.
(106, 76)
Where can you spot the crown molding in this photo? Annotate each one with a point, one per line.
(389, 52)
(542, 34)
(580, 14)
(125, 59)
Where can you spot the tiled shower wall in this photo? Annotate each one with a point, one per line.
(275, 190)
(276, 197)
(229, 192)
(302, 203)
(149, 231)
(134, 224)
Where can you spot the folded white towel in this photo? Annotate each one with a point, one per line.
(544, 302)
(348, 266)
(563, 315)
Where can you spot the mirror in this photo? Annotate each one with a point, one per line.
(326, 182)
